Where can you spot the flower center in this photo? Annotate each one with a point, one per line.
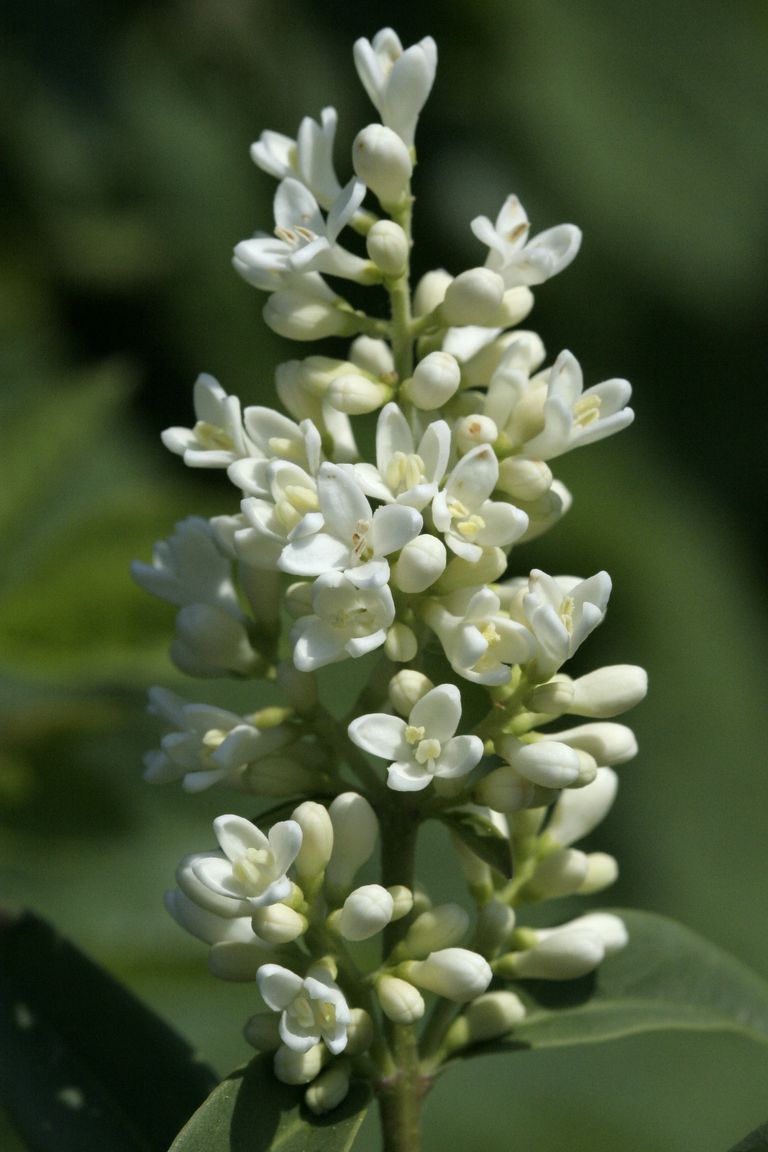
(586, 410)
(212, 436)
(253, 868)
(566, 614)
(428, 751)
(404, 471)
(360, 548)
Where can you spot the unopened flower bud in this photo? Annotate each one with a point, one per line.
(406, 688)
(430, 291)
(402, 898)
(435, 929)
(292, 1067)
(316, 844)
(372, 355)
(329, 1089)
(553, 698)
(355, 829)
(473, 430)
(387, 245)
(577, 813)
(560, 874)
(278, 924)
(495, 924)
(296, 315)
(602, 871)
(455, 973)
(515, 305)
(524, 479)
(550, 763)
(210, 642)
(462, 573)
(359, 1032)
(505, 790)
(400, 1001)
(473, 297)
(357, 395)
(421, 562)
(262, 1032)
(491, 1016)
(382, 162)
(563, 957)
(400, 645)
(366, 911)
(606, 743)
(609, 691)
(435, 379)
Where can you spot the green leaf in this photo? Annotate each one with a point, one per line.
(251, 1111)
(481, 837)
(757, 1141)
(84, 1065)
(666, 978)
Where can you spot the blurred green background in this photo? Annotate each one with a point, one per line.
(127, 181)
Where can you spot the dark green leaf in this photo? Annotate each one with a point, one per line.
(757, 1141)
(251, 1111)
(666, 978)
(84, 1065)
(482, 838)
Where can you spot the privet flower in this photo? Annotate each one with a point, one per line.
(313, 1009)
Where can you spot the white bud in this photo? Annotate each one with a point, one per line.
(602, 871)
(357, 395)
(366, 911)
(402, 898)
(609, 691)
(401, 644)
(564, 956)
(610, 929)
(495, 924)
(578, 812)
(516, 303)
(455, 973)
(355, 830)
(524, 479)
(560, 874)
(550, 763)
(299, 316)
(278, 924)
(387, 245)
(470, 431)
(316, 844)
(400, 1001)
(505, 790)
(329, 1089)
(469, 574)
(211, 642)
(430, 292)
(606, 743)
(360, 1032)
(492, 1015)
(293, 1067)
(553, 698)
(262, 1031)
(435, 929)
(421, 562)
(406, 688)
(382, 162)
(474, 297)
(435, 379)
(372, 355)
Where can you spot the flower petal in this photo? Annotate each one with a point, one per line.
(438, 712)
(381, 735)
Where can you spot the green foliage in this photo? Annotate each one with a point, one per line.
(251, 1111)
(84, 1065)
(757, 1141)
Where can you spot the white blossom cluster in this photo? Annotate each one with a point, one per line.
(405, 554)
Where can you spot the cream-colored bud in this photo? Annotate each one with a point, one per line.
(524, 479)
(297, 316)
(550, 763)
(435, 379)
(355, 830)
(278, 924)
(402, 900)
(606, 742)
(577, 813)
(400, 1001)
(587, 770)
(262, 1032)
(435, 929)
(357, 395)
(406, 688)
(455, 973)
(366, 911)
(474, 297)
(495, 925)
(372, 355)
(473, 430)
(515, 305)
(401, 644)
(602, 871)
(316, 844)
(469, 574)
(293, 1067)
(492, 1015)
(609, 691)
(560, 874)
(421, 562)
(387, 245)
(505, 790)
(553, 698)
(360, 1032)
(382, 162)
(562, 957)
(329, 1089)
(430, 292)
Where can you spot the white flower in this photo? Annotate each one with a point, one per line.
(251, 867)
(274, 437)
(309, 157)
(217, 438)
(422, 747)
(347, 621)
(189, 568)
(561, 611)
(397, 82)
(479, 639)
(404, 472)
(209, 746)
(205, 924)
(573, 417)
(312, 1009)
(518, 260)
(351, 537)
(464, 512)
(291, 495)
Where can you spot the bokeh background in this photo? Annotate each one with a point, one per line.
(127, 181)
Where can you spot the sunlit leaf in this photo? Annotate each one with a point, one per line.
(251, 1111)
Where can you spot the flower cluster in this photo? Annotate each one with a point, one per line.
(330, 557)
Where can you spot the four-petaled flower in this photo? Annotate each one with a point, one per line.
(464, 512)
(251, 867)
(312, 1009)
(518, 260)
